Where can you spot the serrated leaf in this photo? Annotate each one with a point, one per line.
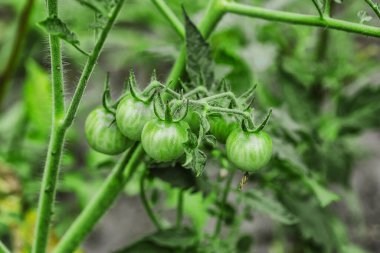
(195, 160)
(267, 205)
(210, 140)
(192, 141)
(54, 26)
(199, 65)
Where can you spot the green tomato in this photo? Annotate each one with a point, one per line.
(221, 126)
(163, 141)
(102, 133)
(132, 115)
(249, 151)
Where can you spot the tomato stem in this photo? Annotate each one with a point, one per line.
(145, 201)
(115, 182)
(300, 19)
(171, 17)
(61, 123)
(223, 201)
(180, 203)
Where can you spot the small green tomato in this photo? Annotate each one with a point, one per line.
(102, 133)
(249, 151)
(132, 115)
(163, 141)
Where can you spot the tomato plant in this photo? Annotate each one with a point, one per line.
(183, 134)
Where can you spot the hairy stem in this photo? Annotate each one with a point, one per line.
(89, 67)
(146, 203)
(374, 7)
(107, 194)
(301, 19)
(60, 124)
(54, 153)
(11, 65)
(180, 208)
(223, 202)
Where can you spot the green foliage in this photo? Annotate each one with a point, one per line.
(323, 87)
(269, 206)
(55, 26)
(199, 64)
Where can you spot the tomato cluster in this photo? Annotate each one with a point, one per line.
(138, 117)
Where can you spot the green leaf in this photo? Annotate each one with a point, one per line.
(210, 140)
(54, 26)
(314, 222)
(267, 205)
(37, 95)
(199, 65)
(324, 196)
(175, 238)
(195, 160)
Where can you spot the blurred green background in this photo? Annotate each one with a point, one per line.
(324, 87)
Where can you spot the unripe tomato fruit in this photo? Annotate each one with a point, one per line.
(249, 151)
(163, 141)
(221, 126)
(102, 133)
(132, 115)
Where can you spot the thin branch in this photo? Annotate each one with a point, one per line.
(315, 2)
(301, 19)
(375, 7)
(223, 202)
(171, 17)
(22, 28)
(327, 8)
(108, 192)
(179, 218)
(89, 67)
(146, 203)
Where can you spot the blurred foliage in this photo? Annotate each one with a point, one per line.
(323, 85)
